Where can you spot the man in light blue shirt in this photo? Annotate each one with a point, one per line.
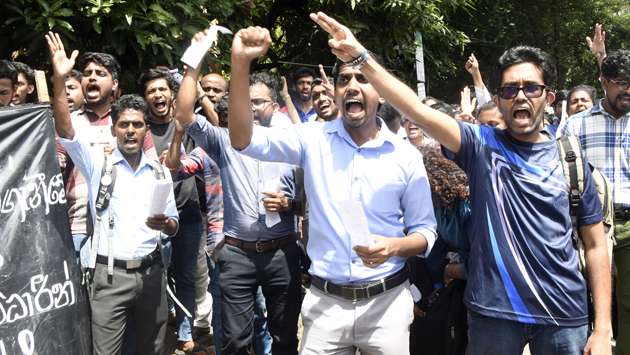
(259, 248)
(360, 297)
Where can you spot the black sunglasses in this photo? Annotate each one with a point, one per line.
(530, 90)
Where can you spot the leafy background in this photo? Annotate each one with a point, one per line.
(144, 33)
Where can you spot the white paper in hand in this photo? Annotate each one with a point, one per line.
(272, 218)
(415, 293)
(161, 189)
(195, 53)
(353, 218)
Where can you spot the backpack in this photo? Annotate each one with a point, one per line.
(571, 160)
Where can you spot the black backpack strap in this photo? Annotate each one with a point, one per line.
(106, 187)
(573, 167)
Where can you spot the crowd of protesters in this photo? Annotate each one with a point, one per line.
(381, 222)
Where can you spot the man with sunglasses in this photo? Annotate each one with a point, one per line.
(523, 281)
(604, 132)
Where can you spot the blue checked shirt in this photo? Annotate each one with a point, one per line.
(605, 141)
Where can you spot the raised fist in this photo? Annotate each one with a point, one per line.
(250, 43)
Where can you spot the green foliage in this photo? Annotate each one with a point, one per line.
(145, 33)
(558, 27)
(139, 33)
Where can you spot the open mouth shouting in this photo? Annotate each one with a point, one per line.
(324, 106)
(70, 104)
(521, 117)
(130, 143)
(160, 107)
(92, 91)
(353, 108)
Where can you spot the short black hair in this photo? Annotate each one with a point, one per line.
(302, 72)
(429, 98)
(526, 54)
(490, 105)
(221, 108)
(388, 112)
(270, 81)
(316, 81)
(8, 71)
(444, 108)
(26, 70)
(616, 64)
(592, 93)
(339, 64)
(129, 102)
(157, 73)
(561, 95)
(105, 59)
(75, 74)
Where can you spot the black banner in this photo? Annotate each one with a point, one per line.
(43, 307)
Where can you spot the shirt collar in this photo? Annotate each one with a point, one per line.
(384, 134)
(92, 116)
(296, 103)
(599, 109)
(117, 158)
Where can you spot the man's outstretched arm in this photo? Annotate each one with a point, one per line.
(248, 44)
(346, 47)
(599, 279)
(62, 66)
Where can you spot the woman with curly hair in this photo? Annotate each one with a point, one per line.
(441, 314)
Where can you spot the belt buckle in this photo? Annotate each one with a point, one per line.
(133, 264)
(259, 246)
(354, 294)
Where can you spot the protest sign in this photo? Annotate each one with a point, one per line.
(43, 307)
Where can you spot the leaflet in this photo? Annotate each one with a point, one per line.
(355, 221)
(161, 190)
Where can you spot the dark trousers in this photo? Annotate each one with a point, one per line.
(184, 270)
(278, 273)
(138, 295)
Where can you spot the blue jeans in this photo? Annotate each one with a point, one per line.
(184, 268)
(262, 338)
(499, 336)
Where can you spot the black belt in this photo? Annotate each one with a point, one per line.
(261, 246)
(360, 291)
(622, 213)
(143, 263)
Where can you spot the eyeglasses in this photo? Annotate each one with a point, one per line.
(530, 90)
(624, 84)
(258, 103)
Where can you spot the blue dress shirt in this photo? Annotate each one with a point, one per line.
(385, 174)
(243, 180)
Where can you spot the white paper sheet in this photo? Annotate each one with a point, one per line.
(161, 190)
(353, 218)
(415, 293)
(272, 218)
(197, 51)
